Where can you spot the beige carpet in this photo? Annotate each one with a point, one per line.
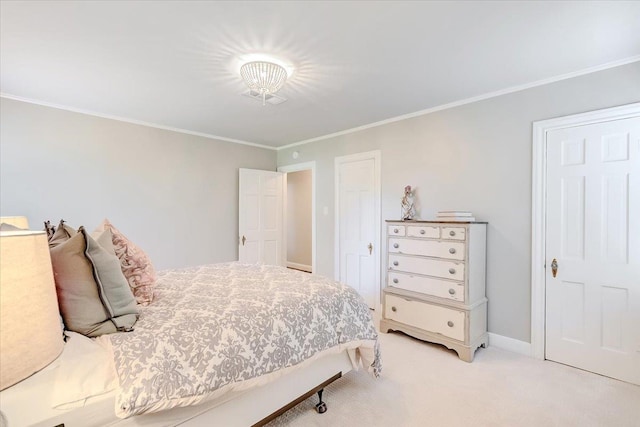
(427, 385)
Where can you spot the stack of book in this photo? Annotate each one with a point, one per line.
(462, 216)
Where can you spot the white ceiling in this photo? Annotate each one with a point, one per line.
(175, 64)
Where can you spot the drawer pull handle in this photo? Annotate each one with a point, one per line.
(452, 233)
(452, 291)
(395, 280)
(395, 245)
(395, 230)
(452, 251)
(452, 271)
(422, 231)
(395, 263)
(450, 324)
(394, 309)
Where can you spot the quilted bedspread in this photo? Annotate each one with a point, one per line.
(223, 327)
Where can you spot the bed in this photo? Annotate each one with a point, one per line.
(222, 344)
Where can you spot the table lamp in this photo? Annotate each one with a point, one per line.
(30, 326)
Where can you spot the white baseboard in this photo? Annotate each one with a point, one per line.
(297, 266)
(510, 344)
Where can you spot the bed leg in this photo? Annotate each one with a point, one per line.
(321, 407)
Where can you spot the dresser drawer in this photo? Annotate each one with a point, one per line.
(396, 230)
(454, 233)
(434, 248)
(427, 285)
(426, 231)
(429, 267)
(434, 318)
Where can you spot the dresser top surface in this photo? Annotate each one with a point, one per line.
(434, 222)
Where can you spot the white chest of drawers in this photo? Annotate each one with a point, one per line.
(436, 283)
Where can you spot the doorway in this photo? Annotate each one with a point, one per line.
(300, 216)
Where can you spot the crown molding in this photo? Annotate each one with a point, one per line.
(454, 104)
(132, 121)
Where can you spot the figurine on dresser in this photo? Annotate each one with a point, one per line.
(408, 204)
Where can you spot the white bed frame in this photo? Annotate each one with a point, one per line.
(260, 405)
(28, 402)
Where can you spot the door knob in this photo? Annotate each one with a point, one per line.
(370, 248)
(554, 267)
(244, 239)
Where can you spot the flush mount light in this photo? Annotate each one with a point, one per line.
(264, 77)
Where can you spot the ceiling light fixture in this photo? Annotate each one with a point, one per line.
(263, 77)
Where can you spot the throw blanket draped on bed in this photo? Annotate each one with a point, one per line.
(223, 327)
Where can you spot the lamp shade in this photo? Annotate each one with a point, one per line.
(16, 221)
(30, 329)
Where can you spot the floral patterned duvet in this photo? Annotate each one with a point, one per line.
(223, 327)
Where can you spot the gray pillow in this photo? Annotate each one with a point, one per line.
(105, 240)
(114, 289)
(93, 295)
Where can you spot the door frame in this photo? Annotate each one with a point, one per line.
(376, 156)
(297, 168)
(539, 208)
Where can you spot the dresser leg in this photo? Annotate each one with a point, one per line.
(466, 354)
(384, 328)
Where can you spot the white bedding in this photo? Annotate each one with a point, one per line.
(85, 371)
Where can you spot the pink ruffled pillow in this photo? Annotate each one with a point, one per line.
(136, 265)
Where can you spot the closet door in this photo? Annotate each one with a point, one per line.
(358, 224)
(593, 248)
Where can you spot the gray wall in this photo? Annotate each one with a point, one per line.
(299, 217)
(475, 157)
(175, 195)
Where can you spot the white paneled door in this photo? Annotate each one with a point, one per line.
(261, 227)
(593, 248)
(357, 210)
